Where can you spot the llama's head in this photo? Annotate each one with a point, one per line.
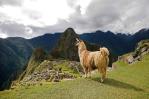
(80, 44)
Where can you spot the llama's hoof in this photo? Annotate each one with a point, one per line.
(84, 76)
(101, 80)
(89, 77)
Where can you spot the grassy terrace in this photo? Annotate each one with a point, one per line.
(125, 82)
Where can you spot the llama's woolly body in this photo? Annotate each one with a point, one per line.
(91, 60)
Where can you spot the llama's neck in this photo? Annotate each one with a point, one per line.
(81, 49)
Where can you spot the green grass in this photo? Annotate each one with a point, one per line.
(125, 82)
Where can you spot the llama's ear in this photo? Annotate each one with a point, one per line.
(102, 52)
(77, 40)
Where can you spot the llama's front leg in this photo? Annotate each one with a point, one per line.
(86, 72)
(101, 71)
(103, 74)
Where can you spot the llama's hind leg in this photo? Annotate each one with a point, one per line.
(100, 71)
(89, 72)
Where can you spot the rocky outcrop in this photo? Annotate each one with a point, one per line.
(141, 50)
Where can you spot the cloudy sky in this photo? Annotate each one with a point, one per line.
(30, 18)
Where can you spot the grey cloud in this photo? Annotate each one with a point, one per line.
(115, 15)
(14, 29)
(110, 12)
(60, 27)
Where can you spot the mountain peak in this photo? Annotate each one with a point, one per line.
(65, 47)
(144, 30)
(70, 33)
(70, 30)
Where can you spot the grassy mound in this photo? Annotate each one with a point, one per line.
(124, 82)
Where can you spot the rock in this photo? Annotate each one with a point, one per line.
(51, 78)
(52, 71)
(61, 75)
(56, 80)
(130, 59)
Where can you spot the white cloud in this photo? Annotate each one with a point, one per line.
(49, 11)
(3, 35)
(38, 12)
